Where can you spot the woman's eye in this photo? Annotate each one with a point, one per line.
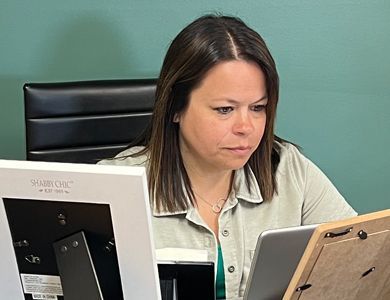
(259, 107)
(224, 110)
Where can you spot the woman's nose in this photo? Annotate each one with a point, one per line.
(243, 124)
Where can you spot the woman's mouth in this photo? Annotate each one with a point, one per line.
(241, 150)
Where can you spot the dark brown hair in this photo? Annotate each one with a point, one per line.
(201, 45)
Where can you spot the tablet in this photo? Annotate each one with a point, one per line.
(277, 254)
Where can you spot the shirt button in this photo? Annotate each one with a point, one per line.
(231, 269)
(225, 232)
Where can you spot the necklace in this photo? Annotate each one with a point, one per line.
(216, 207)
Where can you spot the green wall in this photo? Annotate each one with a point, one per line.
(333, 59)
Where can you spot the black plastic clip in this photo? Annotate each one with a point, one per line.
(344, 232)
(110, 245)
(303, 287)
(22, 243)
(61, 217)
(32, 259)
(368, 272)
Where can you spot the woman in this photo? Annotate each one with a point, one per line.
(217, 175)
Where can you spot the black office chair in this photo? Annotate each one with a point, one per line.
(85, 121)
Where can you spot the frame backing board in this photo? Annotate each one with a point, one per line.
(347, 259)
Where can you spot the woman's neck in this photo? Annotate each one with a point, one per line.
(211, 186)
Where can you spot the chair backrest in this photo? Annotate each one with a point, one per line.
(85, 121)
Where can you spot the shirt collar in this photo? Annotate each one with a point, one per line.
(164, 213)
(240, 192)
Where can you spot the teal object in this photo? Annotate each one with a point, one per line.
(332, 58)
(220, 281)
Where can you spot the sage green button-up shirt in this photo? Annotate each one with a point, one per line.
(305, 196)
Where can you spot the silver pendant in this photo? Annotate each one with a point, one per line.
(217, 207)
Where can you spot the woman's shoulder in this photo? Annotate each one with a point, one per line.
(322, 202)
(286, 147)
(290, 156)
(130, 157)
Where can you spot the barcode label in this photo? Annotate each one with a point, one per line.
(44, 296)
(41, 287)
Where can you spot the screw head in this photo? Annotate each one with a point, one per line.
(64, 249)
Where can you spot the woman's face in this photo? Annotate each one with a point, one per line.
(225, 118)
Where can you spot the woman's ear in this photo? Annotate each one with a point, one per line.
(176, 118)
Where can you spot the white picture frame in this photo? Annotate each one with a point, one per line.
(123, 188)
